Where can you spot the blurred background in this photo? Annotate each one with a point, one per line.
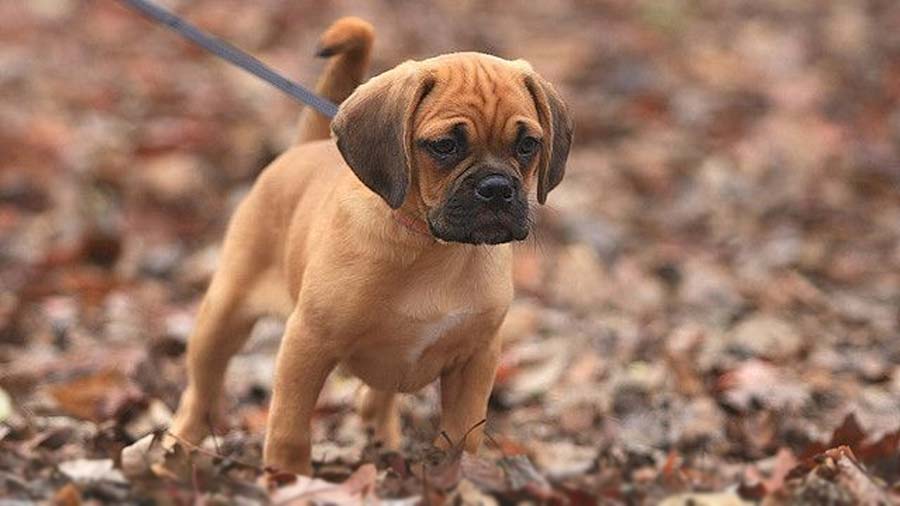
(714, 287)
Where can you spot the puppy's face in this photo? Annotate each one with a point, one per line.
(463, 139)
(477, 140)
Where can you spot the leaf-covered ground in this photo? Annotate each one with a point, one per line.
(710, 306)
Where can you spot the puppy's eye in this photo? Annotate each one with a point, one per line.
(443, 147)
(528, 146)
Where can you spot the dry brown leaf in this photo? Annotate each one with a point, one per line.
(756, 486)
(68, 495)
(834, 477)
(93, 397)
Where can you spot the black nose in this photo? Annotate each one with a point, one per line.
(495, 188)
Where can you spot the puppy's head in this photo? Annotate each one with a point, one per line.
(463, 139)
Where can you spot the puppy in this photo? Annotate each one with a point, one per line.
(387, 247)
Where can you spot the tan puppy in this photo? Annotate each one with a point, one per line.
(387, 250)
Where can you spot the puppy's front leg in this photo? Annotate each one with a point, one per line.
(304, 362)
(464, 397)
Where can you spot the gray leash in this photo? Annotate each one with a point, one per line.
(232, 54)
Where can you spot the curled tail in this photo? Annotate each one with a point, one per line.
(348, 42)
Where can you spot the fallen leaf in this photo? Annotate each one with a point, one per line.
(6, 408)
(93, 397)
(522, 476)
(357, 489)
(485, 474)
(755, 486)
(705, 499)
(468, 492)
(139, 458)
(68, 495)
(756, 381)
(534, 378)
(86, 471)
(767, 337)
(563, 459)
(833, 477)
(882, 455)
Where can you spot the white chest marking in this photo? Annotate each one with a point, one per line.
(432, 332)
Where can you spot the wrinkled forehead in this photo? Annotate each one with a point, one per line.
(487, 95)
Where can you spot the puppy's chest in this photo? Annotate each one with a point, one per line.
(422, 322)
(418, 336)
(423, 334)
(441, 315)
(407, 353)
(426, 323)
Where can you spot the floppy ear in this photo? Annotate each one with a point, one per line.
(558, 128)
(374, 127)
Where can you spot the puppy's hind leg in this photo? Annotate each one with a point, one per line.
(378, 409)
(223, 326)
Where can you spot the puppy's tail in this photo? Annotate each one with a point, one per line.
(348, 42)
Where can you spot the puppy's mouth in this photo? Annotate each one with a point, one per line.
(498, 231)
(482, 210)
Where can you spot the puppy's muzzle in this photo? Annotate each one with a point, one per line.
(488, 206)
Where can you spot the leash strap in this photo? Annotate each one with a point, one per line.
(232, 54)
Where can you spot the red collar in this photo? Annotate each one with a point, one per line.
(411, 223)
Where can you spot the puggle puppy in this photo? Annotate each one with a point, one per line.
(387, 247)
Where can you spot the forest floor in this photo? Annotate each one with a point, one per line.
(708, 312)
